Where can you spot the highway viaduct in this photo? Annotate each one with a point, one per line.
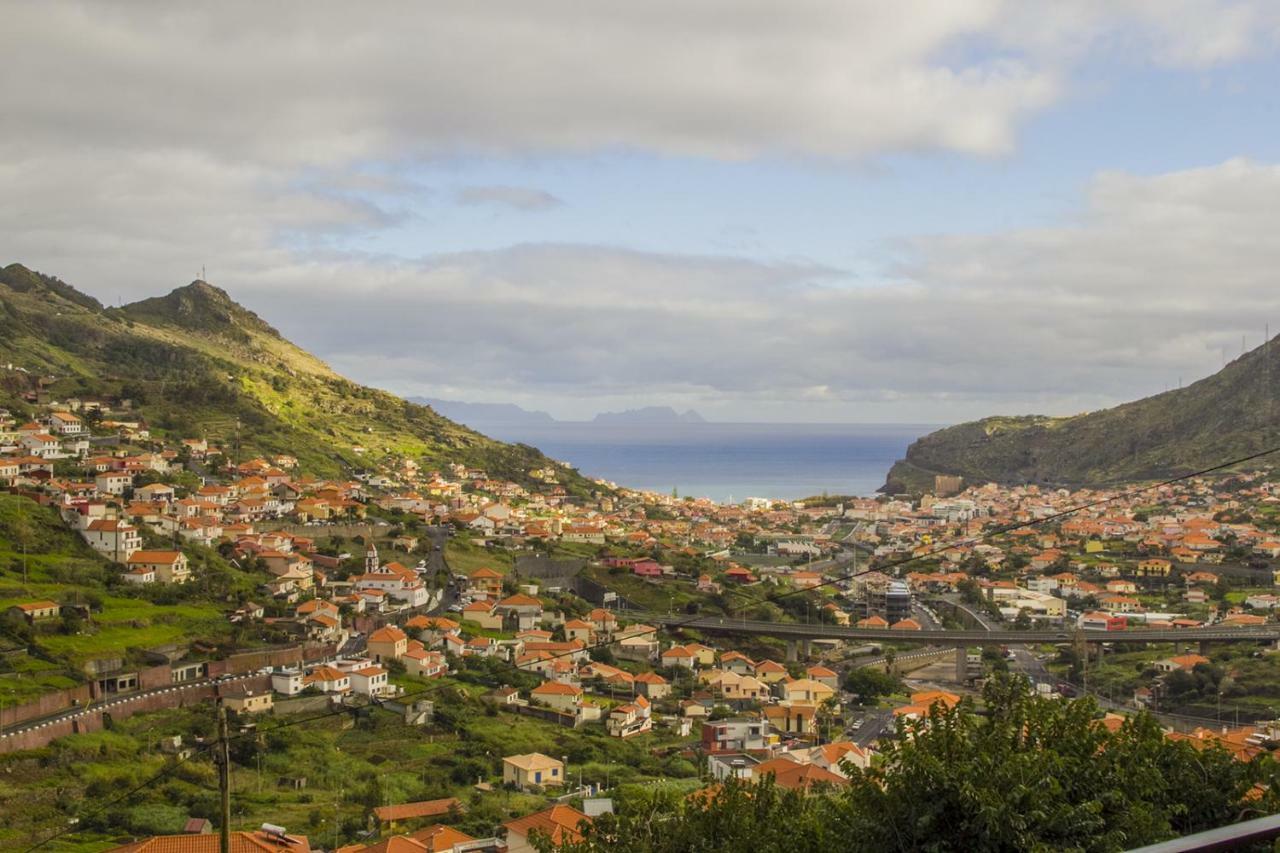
(798, 634)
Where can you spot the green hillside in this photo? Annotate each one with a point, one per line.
(1230, 414)
(195, 363)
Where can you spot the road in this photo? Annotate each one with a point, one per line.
(874, 724)
(800, 630)
(108, 702)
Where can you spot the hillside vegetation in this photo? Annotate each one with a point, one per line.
(195, 363)
(1230, 414)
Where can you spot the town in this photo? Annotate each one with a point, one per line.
(535, 654)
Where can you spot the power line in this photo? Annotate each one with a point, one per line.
(1035, 522)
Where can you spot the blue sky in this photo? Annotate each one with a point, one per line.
(923, 212)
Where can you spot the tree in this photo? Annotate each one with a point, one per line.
(1030, 774)
(1022, 622)
(869, 683)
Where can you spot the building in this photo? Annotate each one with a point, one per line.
(112, 538)
(485, 582)
(554, 694)
(370, 681)
(36, 611)
(168, 566)
(269, 839)
(559, 824)
(533, 769)
(734, 735)
(390, 817)
(388, 643)
(248, 702)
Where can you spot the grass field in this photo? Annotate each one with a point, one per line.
(350, 762)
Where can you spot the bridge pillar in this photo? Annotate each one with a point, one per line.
(792, 651)
(1204, 647)
(804, 650)
(962, 664)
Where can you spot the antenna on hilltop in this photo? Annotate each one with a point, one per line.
(202, 273)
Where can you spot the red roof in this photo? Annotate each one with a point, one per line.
(558, 823)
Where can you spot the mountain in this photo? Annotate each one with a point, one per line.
(481, 415)
(196, 363)
(649, 415)
(1228, 415)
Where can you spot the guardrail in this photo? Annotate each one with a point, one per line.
(813, 631)
(1231, 837)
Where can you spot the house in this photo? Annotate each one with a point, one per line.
(824, 676)
(388, 643)
(737, 662)
(559, 824)
(370, 681)
(771, 672)
(652, 686)
(139, 575)
(520, 611)
(249, 702)
(436, 838)
(327, 679)
(1096, 621)
(65, 423)
(734, 735)
(1185, 662)
(630, 718)
(526, 771)
(806, 690)
(678, 657)
(424, 664)
(578, 629)
(792, 717)
(113, 482)
(36, 611)
(112, 538)
(1154, 568)
(287, 681)
(642, 646)
(484, 614)
(390, 817)
(793, 775)
(485, 582)
(604, 622)
(169, 566)
(562, 697)
(257, 841)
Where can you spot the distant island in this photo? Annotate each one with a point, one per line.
(650, 415)
(481, 415)
(473, 414)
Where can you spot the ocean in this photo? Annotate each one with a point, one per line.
(725, 461)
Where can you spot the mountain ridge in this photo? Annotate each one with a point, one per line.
(196, 363)
(1227, 415)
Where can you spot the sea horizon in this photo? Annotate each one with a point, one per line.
(722, 460)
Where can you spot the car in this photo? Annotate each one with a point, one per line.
(455, 608)
(857, 724)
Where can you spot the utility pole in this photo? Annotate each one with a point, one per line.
(223, 760)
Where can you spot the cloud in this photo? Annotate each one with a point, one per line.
(1154, 279)
(516, 198)
(264, 140)
(336, 82)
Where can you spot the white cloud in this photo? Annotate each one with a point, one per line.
(1156, 278)
(142, 142)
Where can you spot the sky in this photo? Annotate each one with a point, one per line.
(848, 211)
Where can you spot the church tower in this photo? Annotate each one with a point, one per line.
(371, 558)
